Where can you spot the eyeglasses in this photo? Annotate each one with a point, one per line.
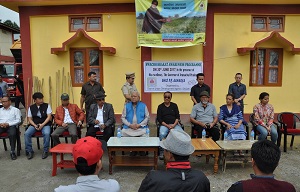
(166, 97)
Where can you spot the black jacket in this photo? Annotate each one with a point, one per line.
(108, 114)
(171, 180)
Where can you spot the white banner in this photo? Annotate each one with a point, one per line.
(173, 76)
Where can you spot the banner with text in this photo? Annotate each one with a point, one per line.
(178, 76)
(170, 23)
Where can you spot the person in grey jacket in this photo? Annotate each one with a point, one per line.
(101, 118)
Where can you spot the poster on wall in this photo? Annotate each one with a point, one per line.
(173, 76)
(170, 23)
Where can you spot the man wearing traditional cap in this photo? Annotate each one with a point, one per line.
(101, 118)
(67, 117)
(129, 86)
(204, 116)
(87, 155)
(179, 176)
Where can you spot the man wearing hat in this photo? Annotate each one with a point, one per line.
(101, 118)
(179, 176)
(87, 154)
(129, 86)
(67, 117)
(204, 116)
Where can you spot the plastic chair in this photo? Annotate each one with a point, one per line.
(288, 125)
(4, 136)
(66, 133)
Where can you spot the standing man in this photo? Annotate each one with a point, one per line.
(10, 117)
(87, 157)
(4, 87)
(238, 89)
(265, 158)
(19, 92)
(101, 118)
(39, 117)
(204, 116)
(67, 117)
(198, 88)
(179, 176)
(129, 86)
(88, 90)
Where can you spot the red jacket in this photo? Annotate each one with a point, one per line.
(75, 112)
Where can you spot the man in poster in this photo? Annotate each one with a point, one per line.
(153, 20)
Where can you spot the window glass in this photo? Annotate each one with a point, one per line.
(78, 58)
(94, 23)
(94, 57)
(77, 23)
(259, 23)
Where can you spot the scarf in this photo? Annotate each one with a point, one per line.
(178, 165)
(235, 110)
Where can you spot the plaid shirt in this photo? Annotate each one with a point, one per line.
(75, 112)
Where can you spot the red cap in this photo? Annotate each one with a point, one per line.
(88, 148)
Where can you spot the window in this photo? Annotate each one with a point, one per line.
(268, 23)
(82, 62)
(266, 67)
(88, 23)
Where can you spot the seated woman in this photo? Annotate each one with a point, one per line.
(231, 116)
(168, 117)
(264, 117)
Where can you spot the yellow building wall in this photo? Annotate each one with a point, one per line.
(119, 31)
(183, 100)
(233, 31)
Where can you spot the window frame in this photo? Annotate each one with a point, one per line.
(266, 67)
(86, 23)
(267, 19)
(86, 67)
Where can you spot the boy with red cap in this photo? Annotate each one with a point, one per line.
(87, 154)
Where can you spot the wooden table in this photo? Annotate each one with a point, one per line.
(61, 149)
(232, 146)
(115, 144)
(207, 147)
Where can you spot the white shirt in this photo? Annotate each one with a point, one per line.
(67, 118)
(100, 116)
(49, 111)
(91, 183)
(12, 116)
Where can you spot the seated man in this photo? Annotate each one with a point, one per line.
(179, 176)
(167, 117)
(10, 117)
(135, 117)
(67, 117)
(101, 118)
(87, 155)
(39, 118)
(265, 158)
(204, 116)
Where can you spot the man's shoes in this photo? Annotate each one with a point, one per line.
(133, 153)
(29, 155)
(13, 156)
(45, 155)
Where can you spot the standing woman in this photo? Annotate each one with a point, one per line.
(264, 117)
(232, 116)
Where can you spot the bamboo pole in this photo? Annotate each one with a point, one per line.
(50, 91)
(71, 87)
